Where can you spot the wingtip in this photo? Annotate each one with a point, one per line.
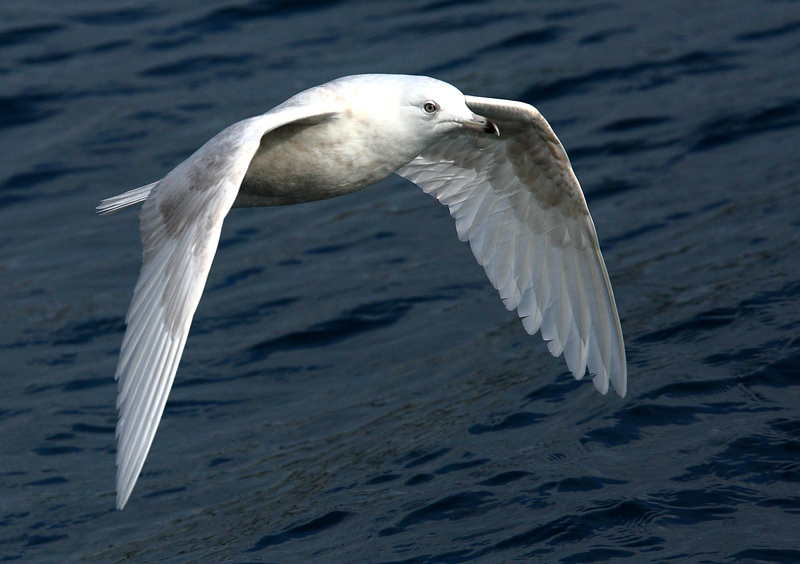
(618, 380)
(621, 387)
(122, 499)
(122, 494)
(607, 380)
(124, 489)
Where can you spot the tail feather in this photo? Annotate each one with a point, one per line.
(116, 203)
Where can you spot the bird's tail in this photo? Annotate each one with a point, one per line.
(116, 203)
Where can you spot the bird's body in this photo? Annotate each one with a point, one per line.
(330, 166)
(336, 154)
(495, 163)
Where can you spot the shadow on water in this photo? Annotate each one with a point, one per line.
(312, 527)
(359, 320)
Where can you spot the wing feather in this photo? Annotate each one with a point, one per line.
(180, 225)
(517, 201)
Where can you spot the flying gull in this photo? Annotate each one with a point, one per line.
(496, 164)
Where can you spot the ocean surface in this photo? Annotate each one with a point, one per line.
(353, 390)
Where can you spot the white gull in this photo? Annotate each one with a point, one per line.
(496, 164)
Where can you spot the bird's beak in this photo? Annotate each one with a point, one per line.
(480, 123)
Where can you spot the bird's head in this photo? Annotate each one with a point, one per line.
(418, 109)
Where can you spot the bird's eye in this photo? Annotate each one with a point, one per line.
(430, 107)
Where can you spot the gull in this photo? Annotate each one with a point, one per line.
(496, 164)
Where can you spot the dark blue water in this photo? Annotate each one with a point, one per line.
(353, 390)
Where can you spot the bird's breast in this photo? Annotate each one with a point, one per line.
(299, 163)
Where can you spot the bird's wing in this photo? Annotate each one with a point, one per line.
(517, 201)
(180, 226)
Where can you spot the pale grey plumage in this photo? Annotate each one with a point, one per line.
(513, 195)
(520, 206)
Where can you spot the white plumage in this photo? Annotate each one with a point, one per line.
(496, 164)
(520, 206)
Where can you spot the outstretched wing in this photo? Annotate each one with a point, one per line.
(517, 201)
(181, 221)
